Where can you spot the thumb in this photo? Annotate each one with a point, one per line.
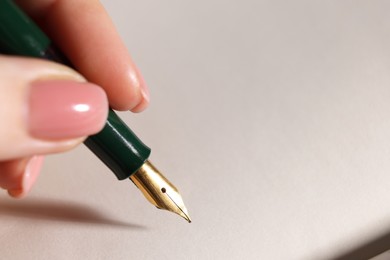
(45, 108)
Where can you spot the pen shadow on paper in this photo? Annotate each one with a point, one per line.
(371, 248)
(60, 211)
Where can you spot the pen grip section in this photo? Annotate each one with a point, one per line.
(118, 147)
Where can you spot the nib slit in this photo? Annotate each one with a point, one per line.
(186, 216)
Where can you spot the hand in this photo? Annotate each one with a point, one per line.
(37, 98)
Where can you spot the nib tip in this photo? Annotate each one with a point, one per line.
(188, 219)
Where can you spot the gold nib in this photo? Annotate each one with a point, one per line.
(159, 191)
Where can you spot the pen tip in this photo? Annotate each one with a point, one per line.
(174, 202)
(183, 212)
(189, 220)
(159, 191)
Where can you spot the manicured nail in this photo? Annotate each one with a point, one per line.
(66, 109)
(142, 84)
(144, 92)
(29, 177)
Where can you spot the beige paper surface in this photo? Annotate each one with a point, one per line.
(271, 117)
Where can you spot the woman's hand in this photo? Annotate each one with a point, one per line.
(49, 108)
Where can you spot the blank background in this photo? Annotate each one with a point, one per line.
(272, 118)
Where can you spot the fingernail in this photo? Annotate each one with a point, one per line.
(144, 92)
(143, 85)
(29, 177)
(66, 109)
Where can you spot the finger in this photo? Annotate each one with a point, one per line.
(85, 33)
(19, 175)
(46, 108)
(11, 173)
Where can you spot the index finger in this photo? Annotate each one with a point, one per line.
(87, 36)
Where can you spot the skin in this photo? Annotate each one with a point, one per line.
(76, 27)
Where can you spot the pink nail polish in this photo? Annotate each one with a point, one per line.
(144, 92)
(66, 109)
(142, 84)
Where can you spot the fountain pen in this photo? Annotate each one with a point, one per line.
(116, 145)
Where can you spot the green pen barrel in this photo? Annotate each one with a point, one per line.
(116, 145)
